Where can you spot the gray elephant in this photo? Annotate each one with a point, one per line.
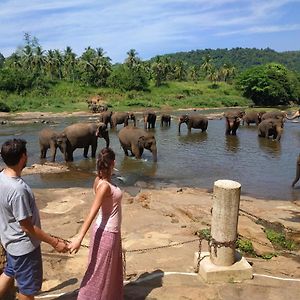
(274, 115)
(253, 117)
(233, 119)
(165, 120)
(83, 135)
(193, 121)
(50, 139)
(135, 140)
(149, 119)
(271, 127)
(122, 117)
(297, 171)
(105, 117)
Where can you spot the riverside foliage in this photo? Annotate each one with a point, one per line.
(54, 80)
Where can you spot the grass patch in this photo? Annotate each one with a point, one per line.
(279, 240)
(72, 96)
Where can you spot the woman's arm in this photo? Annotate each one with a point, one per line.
(102, 191)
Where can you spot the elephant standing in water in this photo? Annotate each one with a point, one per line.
(297, 171)
(122, 117)
(193, 121)
(149, 119)
(165, 119)
(135, 140)
(50, 139)
(233, 119)
(271, 127)
(252, 117)
(83, 135)
(105, 117)
(274, 115)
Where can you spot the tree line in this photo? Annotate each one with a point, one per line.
(32, 68)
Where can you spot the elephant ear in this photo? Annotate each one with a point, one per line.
(141, 142)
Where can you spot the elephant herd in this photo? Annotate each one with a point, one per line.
(85, 135)
(134, 140)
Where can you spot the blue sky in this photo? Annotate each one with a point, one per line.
(151, 27)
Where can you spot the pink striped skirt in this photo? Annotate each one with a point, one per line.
(103, 279)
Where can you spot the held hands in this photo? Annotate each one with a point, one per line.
(60, 246)
(74, 245)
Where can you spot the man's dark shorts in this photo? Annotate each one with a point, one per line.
(27, 270)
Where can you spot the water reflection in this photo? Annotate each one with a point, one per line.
(269, 146)
(193, 137)
(232, 143)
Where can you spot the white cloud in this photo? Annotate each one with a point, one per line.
(117, 25)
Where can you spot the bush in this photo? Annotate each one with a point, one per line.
(271, 84)
(4, 107)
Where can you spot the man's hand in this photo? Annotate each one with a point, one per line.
(61, 246)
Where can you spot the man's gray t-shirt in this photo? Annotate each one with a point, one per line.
(17, 203)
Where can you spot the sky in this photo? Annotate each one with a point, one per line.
(151, 27)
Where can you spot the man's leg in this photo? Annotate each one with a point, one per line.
(5, 283)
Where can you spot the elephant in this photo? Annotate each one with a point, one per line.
(83, 135)
(252, 117)
(49, 138)
(122, 117)
(271, 127)
(165, 120)
(274, 115)
(105, 117)
(149, 119)
(135, 140)
(297, 171)
(193, 121)
(233, 119)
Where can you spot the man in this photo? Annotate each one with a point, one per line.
(20, 229)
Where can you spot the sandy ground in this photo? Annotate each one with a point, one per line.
(158, 234)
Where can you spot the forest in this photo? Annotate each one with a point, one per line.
(32, 78)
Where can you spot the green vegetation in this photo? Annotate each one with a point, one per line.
(67, 96)
(32, 79)
(279, 240)
(270, 84)
(245, 246)
(241, 58)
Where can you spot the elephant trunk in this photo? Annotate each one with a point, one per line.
(154, 154)
(107, 140)
(179, 125)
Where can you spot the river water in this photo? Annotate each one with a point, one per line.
(264, 168)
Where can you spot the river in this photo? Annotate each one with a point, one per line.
(265, 168)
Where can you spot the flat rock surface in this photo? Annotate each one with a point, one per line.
(158, 233)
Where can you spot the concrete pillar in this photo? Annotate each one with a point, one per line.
(226, 201)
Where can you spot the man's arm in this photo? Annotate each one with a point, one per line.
(41, 235)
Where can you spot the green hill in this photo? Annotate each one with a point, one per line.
(241, 58)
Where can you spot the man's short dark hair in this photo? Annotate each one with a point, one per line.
(12, 151)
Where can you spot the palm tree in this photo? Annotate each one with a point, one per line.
(39, 60)
(207, 65)
(58, 62)
(193, 73)
(132, 59)
(27, 58)
(69, 63)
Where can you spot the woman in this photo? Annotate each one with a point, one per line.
(104, 276)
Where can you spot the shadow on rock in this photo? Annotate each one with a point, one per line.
(143, 285)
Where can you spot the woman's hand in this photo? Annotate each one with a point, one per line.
(74, 245)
